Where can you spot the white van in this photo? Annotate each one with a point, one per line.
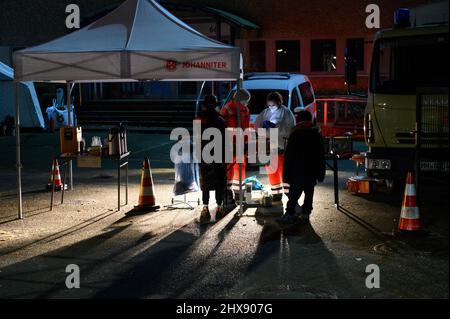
(296, 89)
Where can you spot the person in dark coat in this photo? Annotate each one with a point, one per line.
(213, 176)
(304, 165)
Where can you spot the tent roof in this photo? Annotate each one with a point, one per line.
(140, 40)
(30, 109)
(6, 72)
(237, 20)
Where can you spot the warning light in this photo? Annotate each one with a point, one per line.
(401, 18)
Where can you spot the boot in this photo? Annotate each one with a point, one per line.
(288, 219)
(205, 216)
(220, 212)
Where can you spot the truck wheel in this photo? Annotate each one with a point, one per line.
(394, 186)
(389, 185)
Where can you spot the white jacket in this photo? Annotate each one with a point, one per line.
(282, 118)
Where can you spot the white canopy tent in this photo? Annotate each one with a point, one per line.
(30, 107)
(138, 41)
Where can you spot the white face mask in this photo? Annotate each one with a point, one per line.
(273, 108)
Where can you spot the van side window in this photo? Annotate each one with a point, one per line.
(307, 93)
(295, 100)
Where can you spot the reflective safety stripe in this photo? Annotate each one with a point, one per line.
(147, 191)
(276, 186)
(410, 190)
(282, 188)
(410, 213)
(234, 185)
(233, 174)
(227, 107)
(277, 191)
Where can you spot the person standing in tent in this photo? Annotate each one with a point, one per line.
(230, 114)
(212, 175)
(277, 116)
(304, 165)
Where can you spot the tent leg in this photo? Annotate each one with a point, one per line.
(18, 159)
(69, 109)
(69, 124)
(241, 194)
(80, 94)
(71, 175)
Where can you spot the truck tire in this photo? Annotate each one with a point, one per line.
(394, 186)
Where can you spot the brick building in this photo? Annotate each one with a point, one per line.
(311, 36)
(275, 35)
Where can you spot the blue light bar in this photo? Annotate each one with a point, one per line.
(401, 18)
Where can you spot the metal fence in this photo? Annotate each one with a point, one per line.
(338, 116)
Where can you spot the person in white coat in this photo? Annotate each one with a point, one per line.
(278, 116)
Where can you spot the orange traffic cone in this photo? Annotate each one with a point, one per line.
(147, 200)
(55, 177)
(410, 216)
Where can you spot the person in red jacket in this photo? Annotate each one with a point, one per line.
(230, 115)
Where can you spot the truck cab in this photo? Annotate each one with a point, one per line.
(404, 61)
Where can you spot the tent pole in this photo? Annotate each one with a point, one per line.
(80, 94)
(18, 159)
(68, 104)
(238, 86)
(69, 124)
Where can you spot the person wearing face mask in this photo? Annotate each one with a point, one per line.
(277, 116)
(230, 115)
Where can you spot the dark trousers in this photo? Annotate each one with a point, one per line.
(219, 196)
(295, 191)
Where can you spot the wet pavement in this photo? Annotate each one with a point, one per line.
(168, 254)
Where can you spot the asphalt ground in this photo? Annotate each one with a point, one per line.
(169, 254)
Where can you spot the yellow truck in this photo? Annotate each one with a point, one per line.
(406, 117)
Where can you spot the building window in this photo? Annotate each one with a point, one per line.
(323, 55)
(355, 49)
(257, 56)
(287, 56)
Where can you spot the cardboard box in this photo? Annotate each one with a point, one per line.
(88, 161)
(70, 138)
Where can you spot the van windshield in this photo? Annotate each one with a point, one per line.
(401, 65)
(258, 101)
